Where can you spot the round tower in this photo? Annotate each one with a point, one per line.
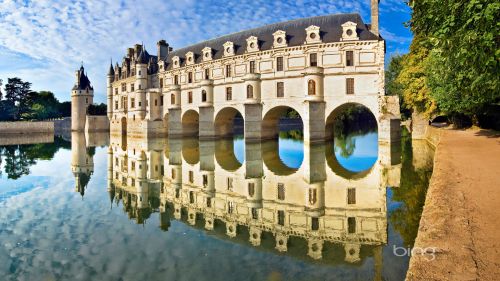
(82, 96)
(110, 80)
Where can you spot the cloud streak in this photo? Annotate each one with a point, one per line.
(44, 41)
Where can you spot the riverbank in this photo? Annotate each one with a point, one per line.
(460, 219)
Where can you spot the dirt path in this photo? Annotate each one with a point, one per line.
(461, 217)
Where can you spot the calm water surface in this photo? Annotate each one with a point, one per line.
(97, 208)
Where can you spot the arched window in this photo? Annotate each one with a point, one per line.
(249, 92)
(203, 96)
(311, 88)
(172, 99)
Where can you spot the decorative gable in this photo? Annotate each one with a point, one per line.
(189, 58)
(207, 53)
(176, 62)
(279, 39)
(313, 35)
(252, 44)
(228, 49)
(349, 31)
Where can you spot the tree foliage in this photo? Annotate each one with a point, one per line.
(19, 94)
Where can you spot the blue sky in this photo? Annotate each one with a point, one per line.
(44, 41)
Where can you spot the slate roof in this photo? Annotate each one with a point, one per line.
(83, 81)
(330, 31)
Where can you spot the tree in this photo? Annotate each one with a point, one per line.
(1, 83)
(45, 105)
(19, 95)
(394, 87)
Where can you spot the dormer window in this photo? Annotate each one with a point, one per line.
(228, 49)
(189, 58)
(349, 31)
(279, 39)
(207, 54)
(252, 44)
(313, 35)
(176, 62)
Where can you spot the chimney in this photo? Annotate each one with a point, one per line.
(163, 49)
(374, 24)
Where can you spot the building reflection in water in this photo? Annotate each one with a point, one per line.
(319, 209)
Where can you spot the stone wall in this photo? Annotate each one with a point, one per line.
(97, 124)
(62, 125)
(14, 139)
(23, 127)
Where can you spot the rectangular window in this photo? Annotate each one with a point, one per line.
(281, 191)
(314, 223)
(251, 189)
(140, 86)
(205, 180)
(190, 77)
(173, 174)
(172, 99)
(281, 217)
(132, 103)
(228, 70)
(280, 89)
(203, 96)
(229, 93)
(116, 104)
(255, 214)
(161, 82)
(132, 86)
(207, 73)
(140, 103)
(156, 102)
(313, 59)
(279, 64)
(191, 197)
(351, 225)
(351, 196)
(176, 79)
(191, 176)
(139, 72)
(349, 86)
(132, 165)
(209, 203)
(124, 87)
(230, 207)
(349, 58)
(161, 100)
(230, 184)
(252, 66)
(190, 97)
(116, 91)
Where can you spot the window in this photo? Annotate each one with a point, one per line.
(229, 93)
(349, 86)
(251, 189)
(311, 88)
(230, 207)
(156, 102)
(207, 73)
(161, 82)
(203, 96)
(349, 58)
(228, 70)
(279, 64)
(161, 100)
(314, 223)
(133, 183)
(209, 203)
(191, 176)
(139, 72)
(116, 104)
(86, 100)
(132, 103)
(191, 197)
(124, 87)
(230, 184)
(190, 77)
(205, 180)
(173, 174)
(351, 196)
(280, 89)
(190, 97)
(116, 91)
(249, 92)
(252, 66)
(177, 193)
(140, 86)
(255, 213)
(132, 165)
(140, 103)
(132, 87)
(313, 196)
(281, 217)
(281, 191)
(172, 99)
(313, 58)
(351, 225)
(176, 79)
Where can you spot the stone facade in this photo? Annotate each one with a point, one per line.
(315, 66)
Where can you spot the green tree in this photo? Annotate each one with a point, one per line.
(19, 95)
(392, 86)
(44, 106)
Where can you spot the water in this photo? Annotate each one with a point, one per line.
(221, 210)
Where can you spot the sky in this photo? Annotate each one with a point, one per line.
(45, 41)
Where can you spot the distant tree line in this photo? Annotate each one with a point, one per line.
(453, 66)
(19, 102)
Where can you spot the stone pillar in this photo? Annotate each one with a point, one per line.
(253, 122)
(314, 121)
(419, 125)
(206, 123)
(255, 235)
(315, 248)
(174, 123)
(389, 129)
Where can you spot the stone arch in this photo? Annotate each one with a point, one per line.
(330, 118)
(190, 123)
(271, 121)
(191, 150)
(339, 170)
(224, 121)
